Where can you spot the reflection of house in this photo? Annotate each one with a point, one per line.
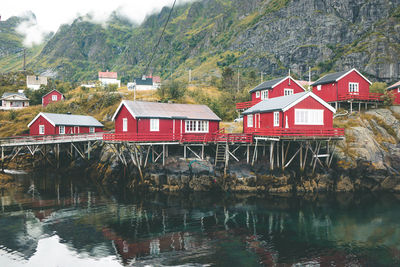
(14, 101)
(52, 123)
(52, 96)
(107, 78)
(34, 82)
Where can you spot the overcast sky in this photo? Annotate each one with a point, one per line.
(50, 14)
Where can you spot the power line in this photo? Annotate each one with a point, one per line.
(159, 40)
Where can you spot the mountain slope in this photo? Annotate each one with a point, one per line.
(260, 35)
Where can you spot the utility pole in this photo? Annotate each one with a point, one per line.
(262, 76)
(238, 81)
(309, 78)
(24, 59)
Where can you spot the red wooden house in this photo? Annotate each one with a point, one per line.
(302, 113)
(272, 88)
(52, 96)
(395, 91)
(54, 124)
(152, 121)
(344, 86)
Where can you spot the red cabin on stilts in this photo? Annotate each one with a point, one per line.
(152, 121)
(58, 124)
(302, 114)
(395, 91)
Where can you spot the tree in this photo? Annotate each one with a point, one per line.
(172, 90)
(228, 83)
(378, 87)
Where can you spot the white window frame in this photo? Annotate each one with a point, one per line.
(54, 98)
(276, 118)
(398, 90)
(354, 88)
(196, 126)
(41, 129)
(124, 124)
(154, 125)
(319, 87)
(288, 91)
(250, 120)
(257, 94)
(309, 117)
(92, 130)
(61, 129)
(264, 94)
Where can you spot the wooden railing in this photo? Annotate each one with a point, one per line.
(181, 138)
(246, 105)
(60, 138)
(332, 132)
(363, 97)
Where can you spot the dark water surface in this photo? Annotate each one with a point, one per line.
(59, 221)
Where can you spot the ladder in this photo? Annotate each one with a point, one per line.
(220, 153)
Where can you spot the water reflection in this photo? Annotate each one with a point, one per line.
(67, 222)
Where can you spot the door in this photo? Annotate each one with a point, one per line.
(76, 129)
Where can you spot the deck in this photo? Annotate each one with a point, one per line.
(370, 97)
(300, 134)
(246, 105)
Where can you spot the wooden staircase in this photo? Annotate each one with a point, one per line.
(220, 153)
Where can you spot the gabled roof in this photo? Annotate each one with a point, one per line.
(334, 77)
(272, 83)
(8, 95)
(145, 81)
(54, 90)
(108, 74)
(284, 103)
(142, 109)
(394, 86)
(68, 120)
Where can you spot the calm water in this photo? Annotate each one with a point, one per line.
(58, 221)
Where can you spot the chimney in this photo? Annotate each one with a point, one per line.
(68, 113)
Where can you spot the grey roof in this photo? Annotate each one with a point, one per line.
(394, 86)
(146, 81)
(329, 78)
(277, 103)
(72, 120)
(7, 94)
(143, 109)
(267, 84)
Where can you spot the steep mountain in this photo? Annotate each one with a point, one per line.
(260, 35)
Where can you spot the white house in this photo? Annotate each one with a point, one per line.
(142, 84)
(108, 77)
(34, 82)
(14, 101)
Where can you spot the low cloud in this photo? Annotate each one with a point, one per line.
(50, 14)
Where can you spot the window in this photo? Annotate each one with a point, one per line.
(276, 118)
(353, 88)
(41, 129)
(193, 126)
(398, 90)
(257, 94)
(250, 120)
(264, 94)
(154, 125)
(61, 129)
(91, 130)
(319, 87)
(309, 117)
(288, 92)
(54, 97)
(124, 124)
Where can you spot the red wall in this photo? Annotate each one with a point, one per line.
(49, 129)
(329, 92)
(48, 98)
(279, 89)
(396, 95)
(142, 126)
(267, 119)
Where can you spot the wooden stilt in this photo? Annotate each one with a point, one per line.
(248, 154)
(184, 151)
(271, 156)
(202, 151)
(359, 107)
(254, 153)
(351, 107)
(163, 156)
(282, 156)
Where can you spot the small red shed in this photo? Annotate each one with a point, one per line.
(52, 96)
(343, 85)
(395, 90)
(162, 119)
(302, 111)
(53, 124)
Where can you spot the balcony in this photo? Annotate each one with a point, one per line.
(246, 105)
